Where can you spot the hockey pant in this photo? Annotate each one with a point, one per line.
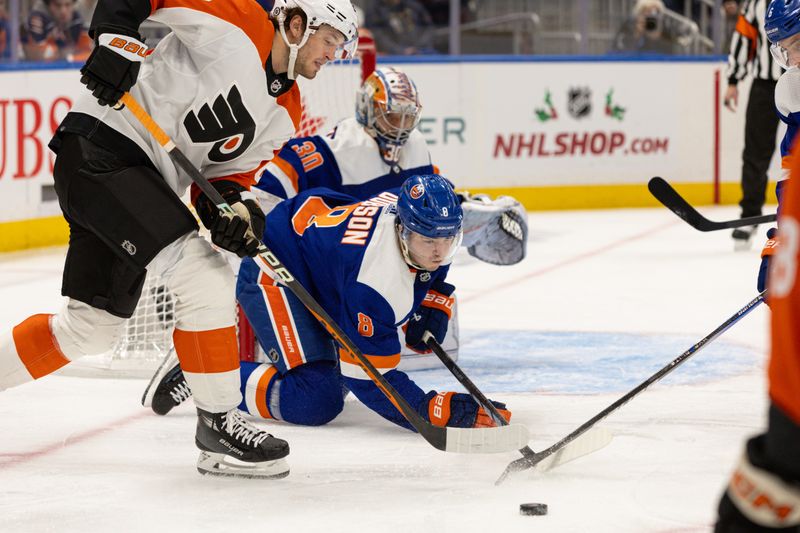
(304, 381)
(205, 333)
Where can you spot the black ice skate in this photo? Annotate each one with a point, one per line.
(167, 387)
(743, 238)
(231, 446)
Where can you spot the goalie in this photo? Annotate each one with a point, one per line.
(372, 265)
(377, 151)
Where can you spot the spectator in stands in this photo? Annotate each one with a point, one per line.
(650, 30)
(400, 27)
(5, 34)
(56, 31)
(730, 15)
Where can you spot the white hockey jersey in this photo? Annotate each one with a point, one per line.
(346, 160)
(205, 84)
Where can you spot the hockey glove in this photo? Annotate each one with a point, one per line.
(770, 247)
(495, 231)
(238, 233)
(113, 65)
(757, 498)
(432, 315)
(459, 410)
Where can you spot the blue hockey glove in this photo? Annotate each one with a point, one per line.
(769, 249)
(432, 315)
(459, 410)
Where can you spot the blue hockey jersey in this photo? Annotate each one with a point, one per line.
(346, 254)
(346, 160)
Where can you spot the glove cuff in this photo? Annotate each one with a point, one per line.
(131, 49)
(439, 301)
(770, 247)
(439, 408)
(764, 498)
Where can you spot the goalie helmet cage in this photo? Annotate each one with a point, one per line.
(147, 335)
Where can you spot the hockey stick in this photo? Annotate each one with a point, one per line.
(672, 200)
(525, 462)
(592, 440)
(461, 440)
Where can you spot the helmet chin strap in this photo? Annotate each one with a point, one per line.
(293, 48)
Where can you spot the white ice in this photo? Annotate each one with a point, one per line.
(604, 299)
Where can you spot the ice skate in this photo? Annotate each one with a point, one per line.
(231, 446)
(167, 387)
(743, 238)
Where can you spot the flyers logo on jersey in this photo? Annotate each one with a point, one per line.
(416, 191)
(227, 123)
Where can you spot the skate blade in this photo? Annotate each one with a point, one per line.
(219, 464)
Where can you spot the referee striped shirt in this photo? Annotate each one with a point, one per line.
(750, 46)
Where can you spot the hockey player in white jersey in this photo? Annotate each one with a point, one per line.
(221, 84)
(377, 151)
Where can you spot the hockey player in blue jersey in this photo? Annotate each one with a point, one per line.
(372, 265)
(377, 151)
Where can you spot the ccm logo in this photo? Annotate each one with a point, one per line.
(133, 48)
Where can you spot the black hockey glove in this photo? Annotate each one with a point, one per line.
(113, 65)
(432, 315)
(764, 491)
(239, 233)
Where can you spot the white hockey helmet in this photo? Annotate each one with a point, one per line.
(388, 107)
(338, 14)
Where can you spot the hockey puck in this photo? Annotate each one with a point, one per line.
(533, 509)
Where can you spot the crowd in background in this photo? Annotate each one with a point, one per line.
(56, 30)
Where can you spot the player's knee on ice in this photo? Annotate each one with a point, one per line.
(311, 394)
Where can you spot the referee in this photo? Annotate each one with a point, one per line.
(750, 53)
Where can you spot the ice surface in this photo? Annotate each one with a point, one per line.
(604, 299)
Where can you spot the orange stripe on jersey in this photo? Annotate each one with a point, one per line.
(36, 346)
(786, 161)
(207, 352)
(287, 169)
(247, 15)
(262, 402)
(291, 101)
(381, 362)
(436, 169)
(282, 325)
(439, 408)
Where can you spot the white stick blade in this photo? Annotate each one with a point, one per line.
(487, 440)
(591, 441)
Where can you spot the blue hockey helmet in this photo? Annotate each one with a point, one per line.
(429, 221)
(782, 20)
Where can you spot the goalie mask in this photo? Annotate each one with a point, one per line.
(388, 107)
(339, 14)
(429, 222)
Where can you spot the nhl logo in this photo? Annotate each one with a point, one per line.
(579, 102)
(129, 247)
(275, 86)
(273, 355)
(425, 277)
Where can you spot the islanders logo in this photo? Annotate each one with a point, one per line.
(417, 191)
